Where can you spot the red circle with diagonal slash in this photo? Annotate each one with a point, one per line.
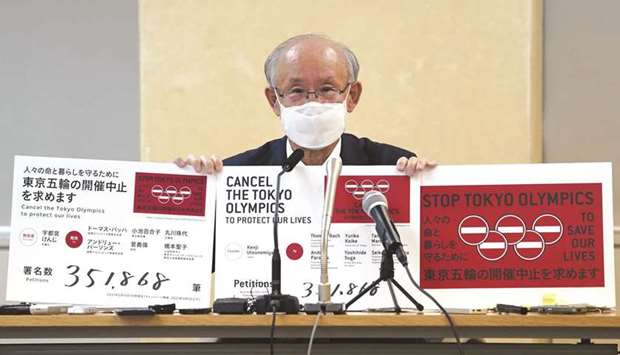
(531, 247)
(157, 190)
(74, 239)
(494, 247)
(512, 227)
(382, 186)
(549, 227)
(294, 251)
(473, 230)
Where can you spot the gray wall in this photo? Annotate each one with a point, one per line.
(582, 83)
(69, 84)
(582, 88)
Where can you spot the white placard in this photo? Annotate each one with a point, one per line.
(246, 202)
(110, 233)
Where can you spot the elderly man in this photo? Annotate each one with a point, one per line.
(312, 86)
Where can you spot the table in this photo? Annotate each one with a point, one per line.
(357, 333)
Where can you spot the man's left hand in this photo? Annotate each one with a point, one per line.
(413, 165)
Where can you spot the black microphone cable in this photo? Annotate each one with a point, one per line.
(273, 329)
(392, 244)
(452, 327)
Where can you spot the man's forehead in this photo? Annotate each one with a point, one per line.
(317, 58)
(300, 50)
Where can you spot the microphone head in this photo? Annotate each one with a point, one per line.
(371, 199)
(294, 159)
(334, 166)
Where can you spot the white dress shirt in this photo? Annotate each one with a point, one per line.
(333, 154)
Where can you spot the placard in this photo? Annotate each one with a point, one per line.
(246, 205)
(110, 233)
(516, 233)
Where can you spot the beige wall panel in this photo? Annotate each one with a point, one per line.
(455, 80)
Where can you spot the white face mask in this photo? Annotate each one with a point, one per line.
(314, 125)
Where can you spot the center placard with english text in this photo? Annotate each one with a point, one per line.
(246, 206)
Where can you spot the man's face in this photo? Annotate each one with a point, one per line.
(312, 66)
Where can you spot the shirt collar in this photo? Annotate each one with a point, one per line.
(333, 154)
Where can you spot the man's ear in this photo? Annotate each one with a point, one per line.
(354, 96)
(270, 94)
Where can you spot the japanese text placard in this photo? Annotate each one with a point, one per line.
(110, 233)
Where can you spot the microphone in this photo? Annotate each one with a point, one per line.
(333, 172)
(292, 161)
(276, 300)
(375, 205)
(334, 166)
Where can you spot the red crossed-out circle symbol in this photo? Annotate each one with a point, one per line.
(473, 230)
(494, 247)
(359, 189)
(549, 227)
(171, 193)
(510, 230)
(531, 247)
(512, 227)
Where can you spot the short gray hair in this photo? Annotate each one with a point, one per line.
(353, 66)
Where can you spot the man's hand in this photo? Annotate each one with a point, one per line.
(202, 164)
(413, 165)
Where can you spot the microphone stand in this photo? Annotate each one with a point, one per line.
(276, 301)
(386, 273)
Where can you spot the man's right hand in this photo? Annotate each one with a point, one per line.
(202, 164)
